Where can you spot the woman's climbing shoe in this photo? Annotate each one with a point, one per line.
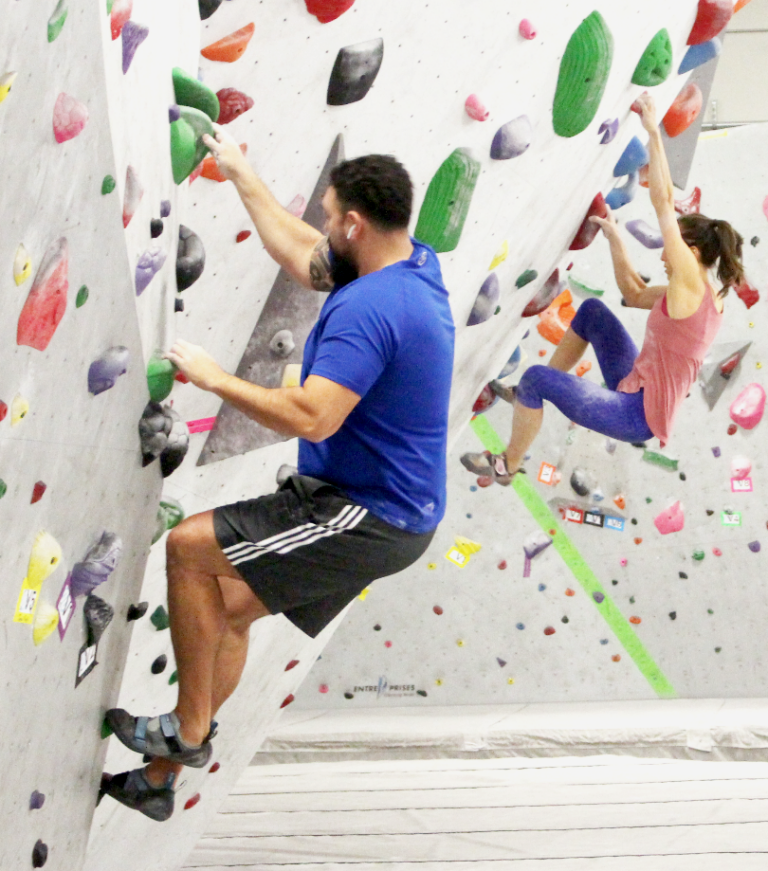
(132, 789)
(508, 394)
(159, 736)
(489, 465)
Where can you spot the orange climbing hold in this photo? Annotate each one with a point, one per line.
(209, 169)
(635, 620)
(740, 4)
(47, 300)
(230, 48)
(555, 320)
(684, 111)
(583, 368)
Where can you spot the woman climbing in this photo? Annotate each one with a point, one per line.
(643, 391)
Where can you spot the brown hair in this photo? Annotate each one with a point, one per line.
(716, 241)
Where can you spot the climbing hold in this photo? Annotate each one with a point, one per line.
(438, 610)
(133, 194)
(623, 193)
(136, 612)
(698, 555)
(581, 482)
(354, 72)
(747, 294)
(502, 565)
(82, 296)
(214, 768)
(97, 565)
(190, 258)
(754, 241)
(148, 265)
(47, 300)
(230, 48)
(160, 377)
(512, 139)
(57, 19)
(187, 147)
(159, 618)
(282, 344)
(740, 467)
(691, 205)
(242, 235)
(351, 695)
(232, 104)
(511, 365)
(19, 409)
(586, 233)
(177, 445)
(484, 401)
(660, 460)
(159, 664)
(582, 370)
(108, 185)
(550, 630)
(98, 615)
(120, 14)
(684, 110)
(292, 664)
(170, 513)
(209, 168)
(486, 300)
(716, 551)
(207, 8)
(297, 206)
(526, 29)
(69, 117)
(192, 93)
(526, 278)
(608, 130)
(133, 35)
(191, 802)
(6, 83)
(549, 291)
(22, 265)
(645, 234)
(583, 76)
(165, 208)
(748, 407)
(447, 201)
(328, 10)
(43, 559)
(700, 54)
(106, 369)
(654, 66)
(555, 320)
(754, 546)
(711, 18)
(156, 227)
(287, 700)
(632, 158)
(475, 108)
(39, 854)
(670, 520)
(484, 481)
(500, 256)
(3, 410)
(45, 622)
(36, 800)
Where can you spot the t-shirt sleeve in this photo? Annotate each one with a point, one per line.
(356, 344)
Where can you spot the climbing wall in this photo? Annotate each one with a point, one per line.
(509, 128)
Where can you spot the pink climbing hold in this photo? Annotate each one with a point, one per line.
(748, 407)
(69, 117)
(121, 12)
(740, 467)
(527, 30)
(475, 108)
(670, 520)
(297, 206)
(47, 300)
(323, 688)
(133, 194)
(765, 207)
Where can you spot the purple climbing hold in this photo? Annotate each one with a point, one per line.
(98, 564)
(754, 546)
(716, 451)
(598, 597)
(106, 369)
(645, 234)
(502, 662)
(36, 800)
(174, 113)
(608, 130)
(150, 263)
(512, 139)
(485, 304)
(165, 208)
(133, 36)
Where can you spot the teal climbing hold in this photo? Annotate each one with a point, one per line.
(447, 201)
(57, 19)
(187, 147)
(526, 277)
(655, 65)
(160, 375)
(108, 185)
(159, 618)
(583, 76)
(191, 92)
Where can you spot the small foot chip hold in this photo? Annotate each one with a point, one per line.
(754, 546)
(475, 108)
(354, 72)
(190, 259)
(287, 700)
(512, 139)
(684, 110)
(38, 491)
(106, 369)
(159, 665)
(136, 612)
(47, 300)
(133, 35)
(526, 29)
(36, 800)
(485, 303)
(39, 854)
(191, 802)
(108, 184)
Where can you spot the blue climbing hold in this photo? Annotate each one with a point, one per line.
(623, 193)
(635, 155)
(700, 54)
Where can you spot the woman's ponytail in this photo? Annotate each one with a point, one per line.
(717, 242)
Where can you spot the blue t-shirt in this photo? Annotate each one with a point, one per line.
(387, 336)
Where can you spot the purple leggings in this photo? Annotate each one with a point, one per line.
(602, 409)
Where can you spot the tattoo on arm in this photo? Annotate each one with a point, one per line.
(320, 267)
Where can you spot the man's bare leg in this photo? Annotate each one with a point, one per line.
(568, 353)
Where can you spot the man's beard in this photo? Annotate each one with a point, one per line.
(343, 270)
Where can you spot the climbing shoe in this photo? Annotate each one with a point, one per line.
(489, 465)
(508, 394)
(158, 736)
(132, 789)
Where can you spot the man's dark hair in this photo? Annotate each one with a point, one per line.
(377, 186)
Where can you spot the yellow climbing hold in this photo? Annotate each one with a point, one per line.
(6, 83)
(291, 375)
(459, 643)
(45, 556)
(462, 550)
(500, 256)
(758, 365)
(45, 622)
(364, 594)
(19, 409)
(431, 566)
(22, 265)
(510, 680)
(751, 324)
(439, 682)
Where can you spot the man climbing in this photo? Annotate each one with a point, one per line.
(371, 417)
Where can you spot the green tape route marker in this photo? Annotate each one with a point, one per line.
(616, 621)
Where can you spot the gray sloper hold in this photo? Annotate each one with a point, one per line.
(580, 482)
(485, 303)
(178, 443)
(354, 72)
(98, 615)
(154, 427)
(282, 343)
(512, 139)
(190, 258)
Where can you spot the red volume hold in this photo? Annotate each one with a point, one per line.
(47, 300)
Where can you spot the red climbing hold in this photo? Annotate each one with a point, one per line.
(550, 630)
(232, 104)
(570, 592)
(484, 481)
(589, 229)
(133, 194)
(121, 12)
(502, 565)
(242, 235)
(711, 18)
(69, 117)
(37, 492)
(191, 802)
(3, 410)
(292, 664)
(287, 700)
(438, 610)
(209, 170)
(747, 294)
(616, 657)
(732, 429)
(730, 364)
(230, 48)
(690, 205)
(47, 300)
(683, 112)
(214, 768)
(484, 401)
(328, 10)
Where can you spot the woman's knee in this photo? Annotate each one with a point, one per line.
(529, 390)
(589, 313)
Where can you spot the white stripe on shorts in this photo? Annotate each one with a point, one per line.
(299, 536)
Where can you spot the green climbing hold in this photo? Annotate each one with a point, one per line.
(655, 65)
(106, 729)
(108, 185)
(187, 148)
(660, 460)
(174, 678)
(526, 278)
(160, 375)
(446, 203)
(82, 297)
(698, 555)
(109, 6)
(159, 618)
(191, 92)
(579, 287)
(583, 76)
(169, 514)
(3, 488)
(57, 19)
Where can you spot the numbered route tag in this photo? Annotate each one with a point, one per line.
(86, 661)
(66, 607)
(594, 518)
(461, 551)
(741, 485)
(615, 523)
(546, 473)
(25, 608)
(731, 519)
(575, 515)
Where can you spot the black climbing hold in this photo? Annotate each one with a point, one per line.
(682, 575)
(718, 649)
(178, 444)
(673, 615)
(631, 600)
(754, 241)
(208, 7)
(710, 512)
(422, 693)
(642, 445)
(39, 854)
(190, 259)
(354, 72)
(615, 583)
(160, 619)
(36, 800)
(349, 695)
(646, 278)
(158, 666)
(377, 628)
(156, 227)
(634, 521)
(178, 305)
(163, 434)
(564, 620)
(682, 476)
(98, 615)
(623, 302)
(135, 612)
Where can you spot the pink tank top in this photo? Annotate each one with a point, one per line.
(670, 359)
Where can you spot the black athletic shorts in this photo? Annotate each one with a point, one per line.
(307, 550)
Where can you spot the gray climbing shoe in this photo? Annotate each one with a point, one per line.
(508, 394)
(489, 465)
(158, 736)
(132, 789)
